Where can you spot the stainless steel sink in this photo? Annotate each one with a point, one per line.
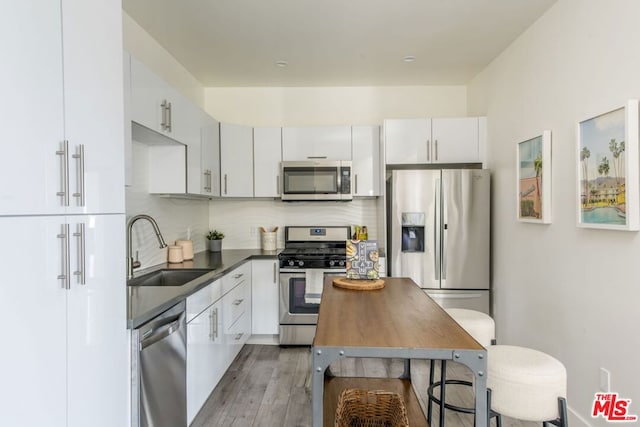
(167, 277)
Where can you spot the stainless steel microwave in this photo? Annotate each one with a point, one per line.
(316, 180)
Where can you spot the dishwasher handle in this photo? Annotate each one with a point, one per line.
(161, 330)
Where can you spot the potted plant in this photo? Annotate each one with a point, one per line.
(214, 240)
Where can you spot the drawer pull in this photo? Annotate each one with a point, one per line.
(237, 276)
(237, 337)
(238, 301)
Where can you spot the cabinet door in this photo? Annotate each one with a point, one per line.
(205, 365)
(267, 153)
(455, 140)
(210, 150)
(31, 108)
(93, 105)
(407, 141)
(264, 297)
(97, 330)
(309, 143)
(33, 364)
(148, 92)
(236, 160)
(366, 160)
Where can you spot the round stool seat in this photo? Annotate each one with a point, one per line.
(525, 383)
(478, 324)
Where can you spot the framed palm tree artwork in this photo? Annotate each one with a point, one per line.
(534, 179)
(607, 170)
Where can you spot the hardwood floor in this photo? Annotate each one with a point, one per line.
(270, 386)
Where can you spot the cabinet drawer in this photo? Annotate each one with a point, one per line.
(235, 277)
(199, 301)
(240, 331)
(236, 304)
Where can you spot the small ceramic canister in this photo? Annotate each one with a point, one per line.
(187, 248)
(174, 254)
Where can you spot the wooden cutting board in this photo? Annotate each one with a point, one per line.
(358, 284)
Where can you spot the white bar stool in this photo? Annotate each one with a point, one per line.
(483, 329)
(527, 384)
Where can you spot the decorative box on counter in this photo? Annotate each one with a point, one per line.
(362, 259)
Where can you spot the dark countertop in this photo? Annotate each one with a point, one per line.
(146, 302)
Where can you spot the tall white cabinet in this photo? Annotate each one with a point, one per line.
(62, 209)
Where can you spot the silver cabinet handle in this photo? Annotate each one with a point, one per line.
(163, 123)
(213, 325)
(225, 183)
(278, 184)
(79, 156)
(237, 276)
(428, 150)
(80, 272)
(209, 180)
(316, 157)
(64, 172)
(238, 301)
(237, 337)
(169, 121)
(65, 254)
(274, 272)
(356, 184)
(436, 142)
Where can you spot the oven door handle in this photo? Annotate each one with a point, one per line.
(302, 271)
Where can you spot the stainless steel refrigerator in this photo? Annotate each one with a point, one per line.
(438, 233)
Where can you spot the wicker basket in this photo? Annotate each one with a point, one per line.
(364, 408)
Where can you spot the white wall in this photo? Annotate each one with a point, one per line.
(317, 106)
(570, 292)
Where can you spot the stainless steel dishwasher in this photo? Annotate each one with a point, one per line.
(160, 370)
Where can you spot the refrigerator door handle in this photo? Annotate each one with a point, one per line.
(443, 228)
(437, 230)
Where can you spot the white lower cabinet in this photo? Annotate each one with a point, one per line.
(205, 356)
(218, 325)
(67, 355)
(264, 307)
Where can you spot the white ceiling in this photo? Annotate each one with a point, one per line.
(335, 42)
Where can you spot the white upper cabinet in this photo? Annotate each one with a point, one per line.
(455, 140)
(236, 160)
(160, 108)
(406, 141)
(267, 153)
(438, 140)
(313, 143)
(64, 148)
(210, 160)
(366, 160)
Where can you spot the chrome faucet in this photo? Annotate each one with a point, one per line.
(131, 264)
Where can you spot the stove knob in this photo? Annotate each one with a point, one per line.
(291, 263)
(331, 263)
(341, 263)
(300, 263)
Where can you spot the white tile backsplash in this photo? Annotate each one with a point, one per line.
(240, 220)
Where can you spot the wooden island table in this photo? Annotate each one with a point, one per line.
(397, 321)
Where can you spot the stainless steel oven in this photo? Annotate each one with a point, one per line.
(311, 254)
(299, 308)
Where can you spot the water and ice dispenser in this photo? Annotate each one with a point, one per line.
(413, 231)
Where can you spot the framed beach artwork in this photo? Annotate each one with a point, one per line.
(607, 170)
(534, 179)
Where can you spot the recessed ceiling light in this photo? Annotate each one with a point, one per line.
(282, 64)
(409, 58)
